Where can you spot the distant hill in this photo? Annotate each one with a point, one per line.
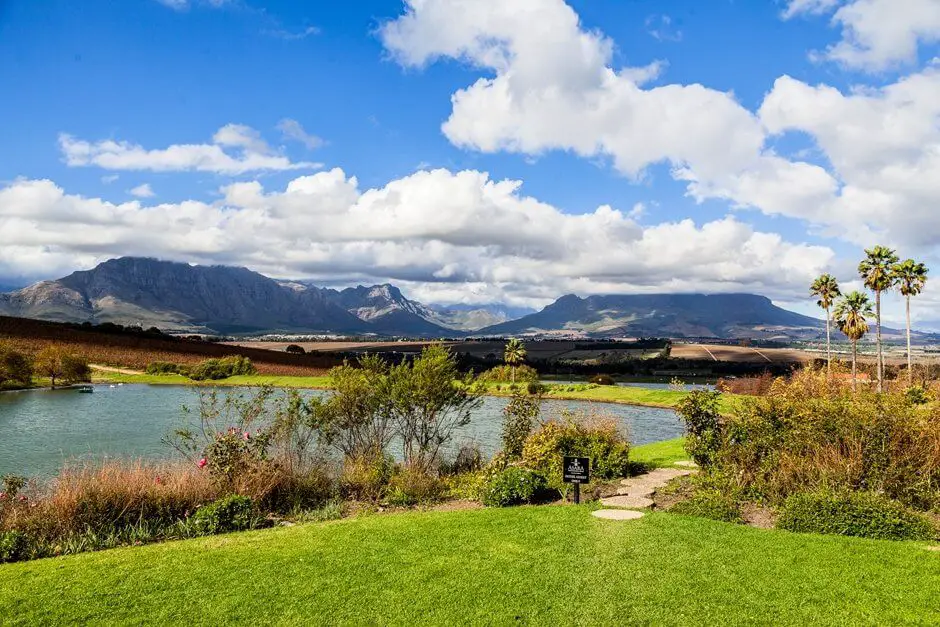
(474, 317)
(665, 315)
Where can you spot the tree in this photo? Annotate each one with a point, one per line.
(295, 349)
(514, 354)
(910, 277)
(851, 316)
(15, 367)
(55, 363)
(876, 272)
(826, 288)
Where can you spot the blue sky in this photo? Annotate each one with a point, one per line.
(371, 83)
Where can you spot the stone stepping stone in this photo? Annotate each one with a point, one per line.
(627, 501)
(617, 514)
(687, 464)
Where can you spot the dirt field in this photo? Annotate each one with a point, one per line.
(719, 352)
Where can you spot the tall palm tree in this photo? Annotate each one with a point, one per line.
(826, 288)
(514, 354)
(875, 270)
(910, 277)
(850, 315)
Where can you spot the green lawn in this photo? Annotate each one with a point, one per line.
(528, 565)
(657, 454)
(322, 382)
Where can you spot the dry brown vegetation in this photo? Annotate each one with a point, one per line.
(746, 354)
(137, 350)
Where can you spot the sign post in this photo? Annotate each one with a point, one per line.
(576, 470)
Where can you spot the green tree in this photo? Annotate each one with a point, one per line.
(826, 288)
(876, 272)
(910, 277)
(15, 367)
(851, 316)
(55, 363)
(514, 354)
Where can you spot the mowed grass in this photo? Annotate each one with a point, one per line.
(660, 454)
(527, 565)
(254, 380)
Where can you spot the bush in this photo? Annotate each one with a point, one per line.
(365, 478)
(519, 416)
(699, 410)
(16, 369)
(469, 458)
(412, 486)
(917, 395)
(602, 379)
(230, 513)
(295, 349)
(503, 374)
(215, 369)
(535, 388)
(861, 514)
(709, 504)
(512, 486)
(163, 367)
(12, 546)
(596, 438)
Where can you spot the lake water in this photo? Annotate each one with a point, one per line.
(40, 430)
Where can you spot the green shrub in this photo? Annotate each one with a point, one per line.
(163, 367)
(602, 379)
(699, 410)
(365, 478)
(16, 368)
(468, 486)
(413, 487)
(519, 416)
(215, 369)
(13, 546)
(469, 458)
(512, 486)
(535, 388)
(524, 374)
(295, 349)
(917, 395)
(710, 504)
(598, 439)
(861, 514)
(230, 513)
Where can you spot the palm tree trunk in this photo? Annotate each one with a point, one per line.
(828, 345)
(854, 366)
(513, 370)
(881, 364)
(910, 371)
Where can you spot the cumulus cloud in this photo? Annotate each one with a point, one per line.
(142, 191)
(247, 152)
(292, 130)
(876, 34)
(437, 232)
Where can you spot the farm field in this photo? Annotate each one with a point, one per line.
(526, 565)
(721, 352)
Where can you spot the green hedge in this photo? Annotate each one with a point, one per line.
(861, 514)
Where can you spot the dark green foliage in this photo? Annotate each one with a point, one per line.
(230, 513)
(602, 379)
(917, 395)
(164, 367)
(710, 504)
(535, 388)
(215, 369)
(861, 514)
(16, 369)
(513, 485)
(504, 373)
(699, 410)
(12, 484)
(295, 349)
(366, 478)
(469, 458)
(13, 546)
(519, 416)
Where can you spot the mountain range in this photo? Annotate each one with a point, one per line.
(180, 297)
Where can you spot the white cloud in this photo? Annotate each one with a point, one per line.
(107, 179)
(289, 35)
(251, 154)
(876, 34)
(182, 5)
(292, 130)
(436, 232)
(661, 28)
(142, 191)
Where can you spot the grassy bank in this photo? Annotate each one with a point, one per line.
(658, 454)
(528, 565)
(603, 394)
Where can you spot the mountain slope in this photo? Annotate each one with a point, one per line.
(473, 317)
(388, 311)
(672, 315)
(177, 296)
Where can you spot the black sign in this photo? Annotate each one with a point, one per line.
(577, 470)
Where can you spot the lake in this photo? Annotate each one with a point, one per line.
(40, 430)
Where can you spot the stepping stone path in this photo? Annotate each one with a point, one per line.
(635, 492)
(617, 514)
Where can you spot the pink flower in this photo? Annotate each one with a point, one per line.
(3, 495)
(202, 463)
(157, 480)
(23, 499)
(246, 435)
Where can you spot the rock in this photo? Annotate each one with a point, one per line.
(627, 501)
(686, 464)
(617, 514)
